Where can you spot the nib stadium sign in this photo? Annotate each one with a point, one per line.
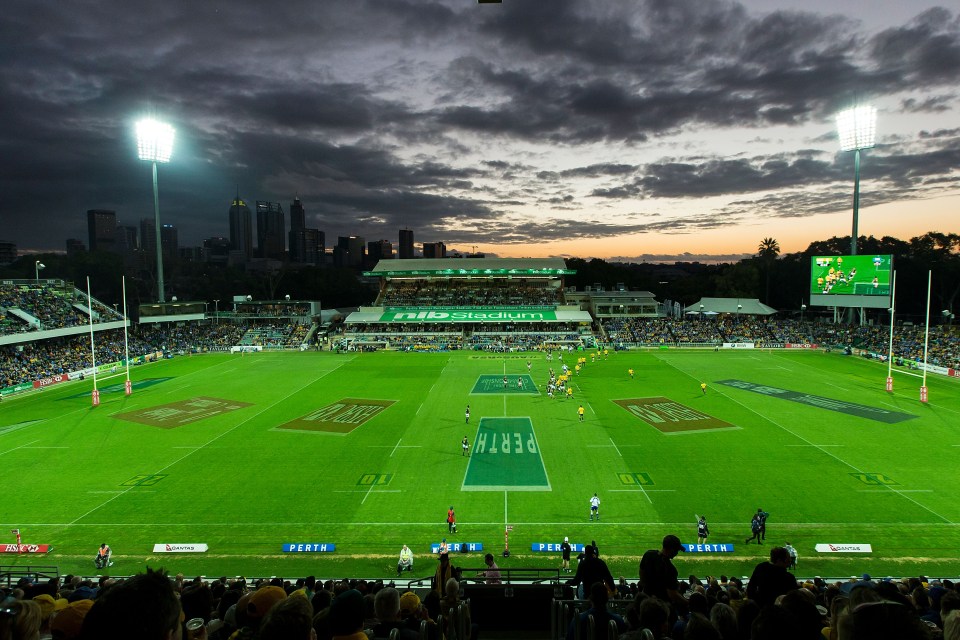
(440, 314)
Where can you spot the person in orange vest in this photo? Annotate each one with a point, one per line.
(103, 556)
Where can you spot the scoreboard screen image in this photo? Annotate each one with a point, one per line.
(860, 275)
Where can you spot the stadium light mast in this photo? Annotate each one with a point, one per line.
(857, 129)
(155, 144)
(37, 268)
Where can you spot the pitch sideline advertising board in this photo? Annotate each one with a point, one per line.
(708, 548)
(180, 547)
(851, 281)
(309, 547)
(844, 548)
(554, 547)
(24, 548)
(457, 547)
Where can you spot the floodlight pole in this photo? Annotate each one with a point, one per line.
(856, 201)
(857, 130)
(155, 143)
(156, 225)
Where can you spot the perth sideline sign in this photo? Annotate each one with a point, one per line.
(457, 547)
(708, 548)
(575, 547)
(189, 547)
(309, 547)
(844, 548)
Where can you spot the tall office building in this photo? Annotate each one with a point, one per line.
(349, 251)
(102, 229)
(8, 252)
(298, 225)
(378, 250)
(314, 243)
(434, 250)
(241, 228)
(216, 249)
(406, 244)
(75, 246)
(126, 241)
(148, 237)
(271, 229)
(169, 241)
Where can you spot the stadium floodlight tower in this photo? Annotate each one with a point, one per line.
(857, 128)
(155, 144)
(37, 268)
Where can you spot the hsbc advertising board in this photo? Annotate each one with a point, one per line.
(46, 382)
(800, 345)
(24, 548)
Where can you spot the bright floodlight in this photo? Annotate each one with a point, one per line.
(154, 140)
(857, 128)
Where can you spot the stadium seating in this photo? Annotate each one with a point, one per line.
(537, 609)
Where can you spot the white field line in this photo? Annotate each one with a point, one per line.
(23, 446)
(212, 440)
(615, 447)
(432, 523)
(802, 439)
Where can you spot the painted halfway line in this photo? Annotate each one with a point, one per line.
(433, 523)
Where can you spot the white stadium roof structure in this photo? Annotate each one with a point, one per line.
(742, 306)
(471, 267)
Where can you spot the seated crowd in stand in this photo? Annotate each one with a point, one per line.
(943, 347)
(496, 337)
(772, 605)
(464, 293)
(29, 361)
(54, 306)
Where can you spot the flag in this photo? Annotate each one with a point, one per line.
(509, 527)
(15, 532)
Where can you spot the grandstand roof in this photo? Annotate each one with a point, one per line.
(471, 267)
(745, 306)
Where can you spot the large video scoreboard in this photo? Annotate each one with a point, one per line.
(851, 281)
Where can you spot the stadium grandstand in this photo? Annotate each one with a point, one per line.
(497, 305)
(486, 305)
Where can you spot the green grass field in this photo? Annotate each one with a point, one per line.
(364, 451)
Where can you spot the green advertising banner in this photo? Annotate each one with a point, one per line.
(443, 314)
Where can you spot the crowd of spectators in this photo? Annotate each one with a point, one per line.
(275, 335)
(493, 337)
(271, 310)
(774, 605)
(28, 361)
(908, 341)
(35, 360)
(187, 337)
(53, 306)
(771, 605)
(465, 293)
(155, 605)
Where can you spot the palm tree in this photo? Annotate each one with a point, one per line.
(768, 251)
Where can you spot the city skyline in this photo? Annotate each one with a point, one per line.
(648, 130)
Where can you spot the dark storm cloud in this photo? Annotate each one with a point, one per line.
(902, 172)
(445, 116)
